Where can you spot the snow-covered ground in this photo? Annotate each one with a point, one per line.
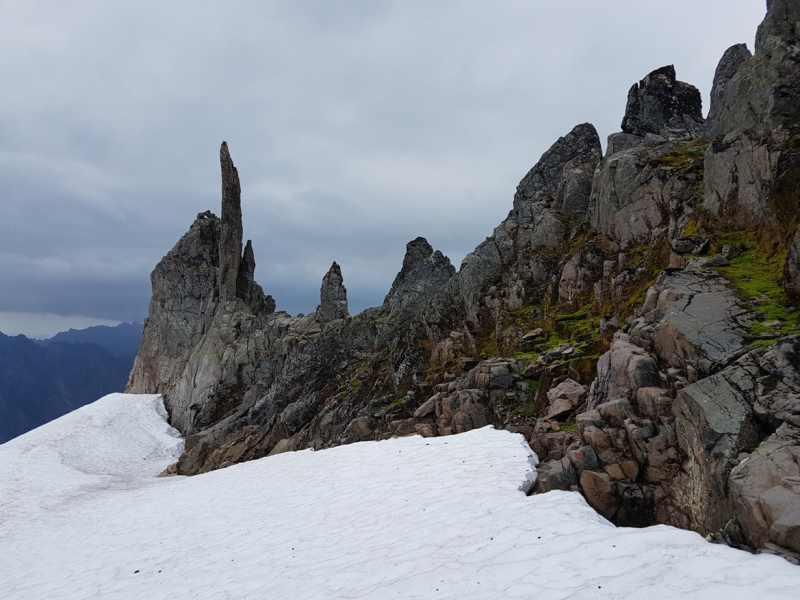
(82, 515)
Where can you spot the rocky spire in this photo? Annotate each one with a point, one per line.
(581, 146)
(247, 269)
(660, 102)
(424, 273)
(332, 296)
(779, 27)
(246, 287)
(230, 239)
(720, 120)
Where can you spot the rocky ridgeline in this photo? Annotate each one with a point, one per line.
(634, 317)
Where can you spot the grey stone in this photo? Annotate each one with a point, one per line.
(246, 287)
(332, 296)
(615, 412)
(582, 459)
(704, 323)
(619, 142)
(635, 192)
(731, 252)
(717, 261)
(778, 392)
(688, 245)
(749, 165)
(621, 371)
(608, 324)
(569, 389)
(589, 418)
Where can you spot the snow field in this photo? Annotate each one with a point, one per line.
(82, 515)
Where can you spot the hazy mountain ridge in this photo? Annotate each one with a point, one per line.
(41, 380)
(121, 341)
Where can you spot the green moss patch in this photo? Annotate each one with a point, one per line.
(756, 279)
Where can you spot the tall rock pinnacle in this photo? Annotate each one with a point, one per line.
(230, 239)
(332, 296)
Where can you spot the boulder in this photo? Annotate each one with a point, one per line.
(568, 389)
(582, 459)
(619, 142)
(615, 412)
(688, 245)
(765, 488)
(621, 371)
(560, 409)
(599, 492)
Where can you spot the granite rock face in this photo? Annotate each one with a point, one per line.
(645, 189)
(661, 258)
(523, 247)
(752, 163)
(720, 113)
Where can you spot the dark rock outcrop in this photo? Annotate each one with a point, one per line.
(332, 296)
(230, 236)
(660, 104)
(423, 274)
(560, 172)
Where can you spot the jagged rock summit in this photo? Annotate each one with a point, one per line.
(332, 296)
(632, 317)
(660, 104)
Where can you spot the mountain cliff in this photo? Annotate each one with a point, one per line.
(634, 317)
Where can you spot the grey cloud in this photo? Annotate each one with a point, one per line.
(356, 126)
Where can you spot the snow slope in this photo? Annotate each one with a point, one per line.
(82, 515)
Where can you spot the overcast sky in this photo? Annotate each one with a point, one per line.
(356, 126)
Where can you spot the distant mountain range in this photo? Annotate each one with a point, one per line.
(121, 341)
(41, 380)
